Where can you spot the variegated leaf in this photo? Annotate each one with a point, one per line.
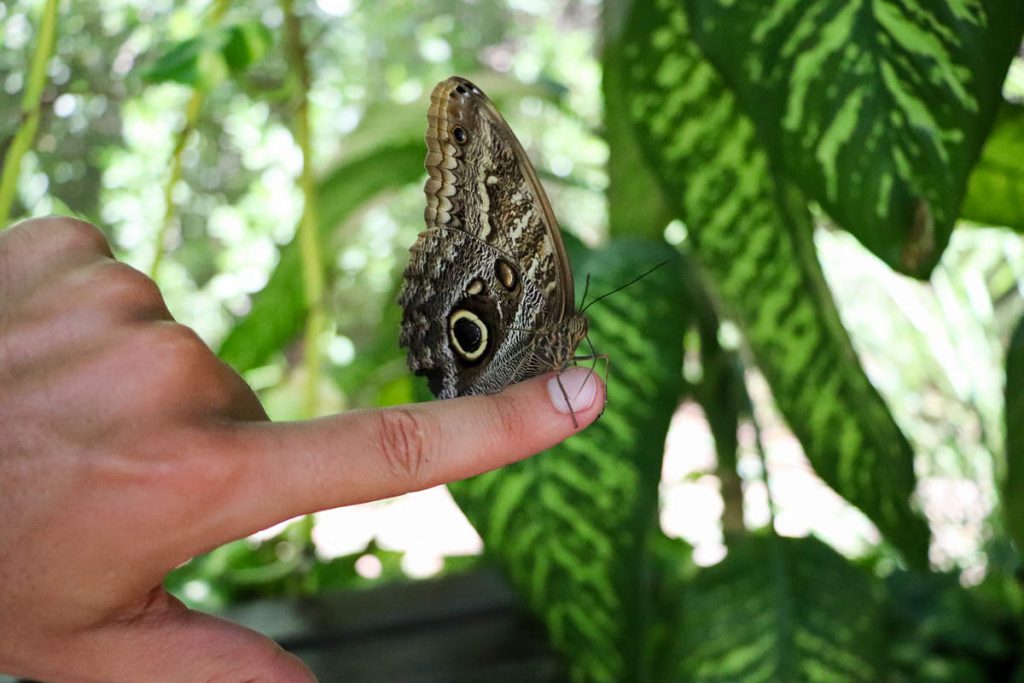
(751, 232)
(877, 108)
(781, 609)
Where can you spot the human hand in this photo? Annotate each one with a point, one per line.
(128, 448)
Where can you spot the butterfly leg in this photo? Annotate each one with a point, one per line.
(565, 395)
(595, 357)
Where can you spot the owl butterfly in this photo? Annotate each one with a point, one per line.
(488, 293)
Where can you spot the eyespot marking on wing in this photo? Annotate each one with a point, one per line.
(468, 335)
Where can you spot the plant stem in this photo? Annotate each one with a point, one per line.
(763, 457)
(30, 109)
(195, 105)
(192, 110)
(309, 242)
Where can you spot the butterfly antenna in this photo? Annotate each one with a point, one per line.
(621, 287)
(586, 288)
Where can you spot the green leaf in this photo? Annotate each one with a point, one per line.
(945, 633)
(995, 193)
(1013, 502)
(780, 609)
(570, 526)
(751, 233)
(182, 63)
(877, 109)
(278, 311)
(247, 43)
(671, 569)
(205, 60)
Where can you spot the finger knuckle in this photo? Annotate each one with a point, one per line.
(173, 339)
(64, 232)
(179, 351)
(120, 285)
(403, 439)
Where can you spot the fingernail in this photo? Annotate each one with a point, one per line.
(580, 387)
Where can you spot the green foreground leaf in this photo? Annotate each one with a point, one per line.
(571, 526)
(779, 609)
(751, 233)
(877, 109)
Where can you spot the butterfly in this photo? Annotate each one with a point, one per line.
(487, 296)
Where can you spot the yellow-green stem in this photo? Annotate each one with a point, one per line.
(195, 105)
(309, 241)
(30, 106)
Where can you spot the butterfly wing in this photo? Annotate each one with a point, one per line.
(498, 187)
(491, 269)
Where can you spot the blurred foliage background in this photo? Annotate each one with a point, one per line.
(263, 162)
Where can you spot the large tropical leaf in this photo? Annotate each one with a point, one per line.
(780, 609)
(570, 526)
(1014, 488)
(877, 108)
(995, 193)
(751, 232)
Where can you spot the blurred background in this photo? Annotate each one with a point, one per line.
(181, 130)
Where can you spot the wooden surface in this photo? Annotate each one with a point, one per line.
(466, 628)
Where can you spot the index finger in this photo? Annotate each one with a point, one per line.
(302, 467)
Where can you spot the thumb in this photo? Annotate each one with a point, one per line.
(170, 642)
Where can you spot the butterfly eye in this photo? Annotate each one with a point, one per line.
(459, 133)
(468, 335)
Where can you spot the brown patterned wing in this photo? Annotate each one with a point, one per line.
(482, 182)
(487, 296)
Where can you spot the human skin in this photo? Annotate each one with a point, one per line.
(127, 447)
